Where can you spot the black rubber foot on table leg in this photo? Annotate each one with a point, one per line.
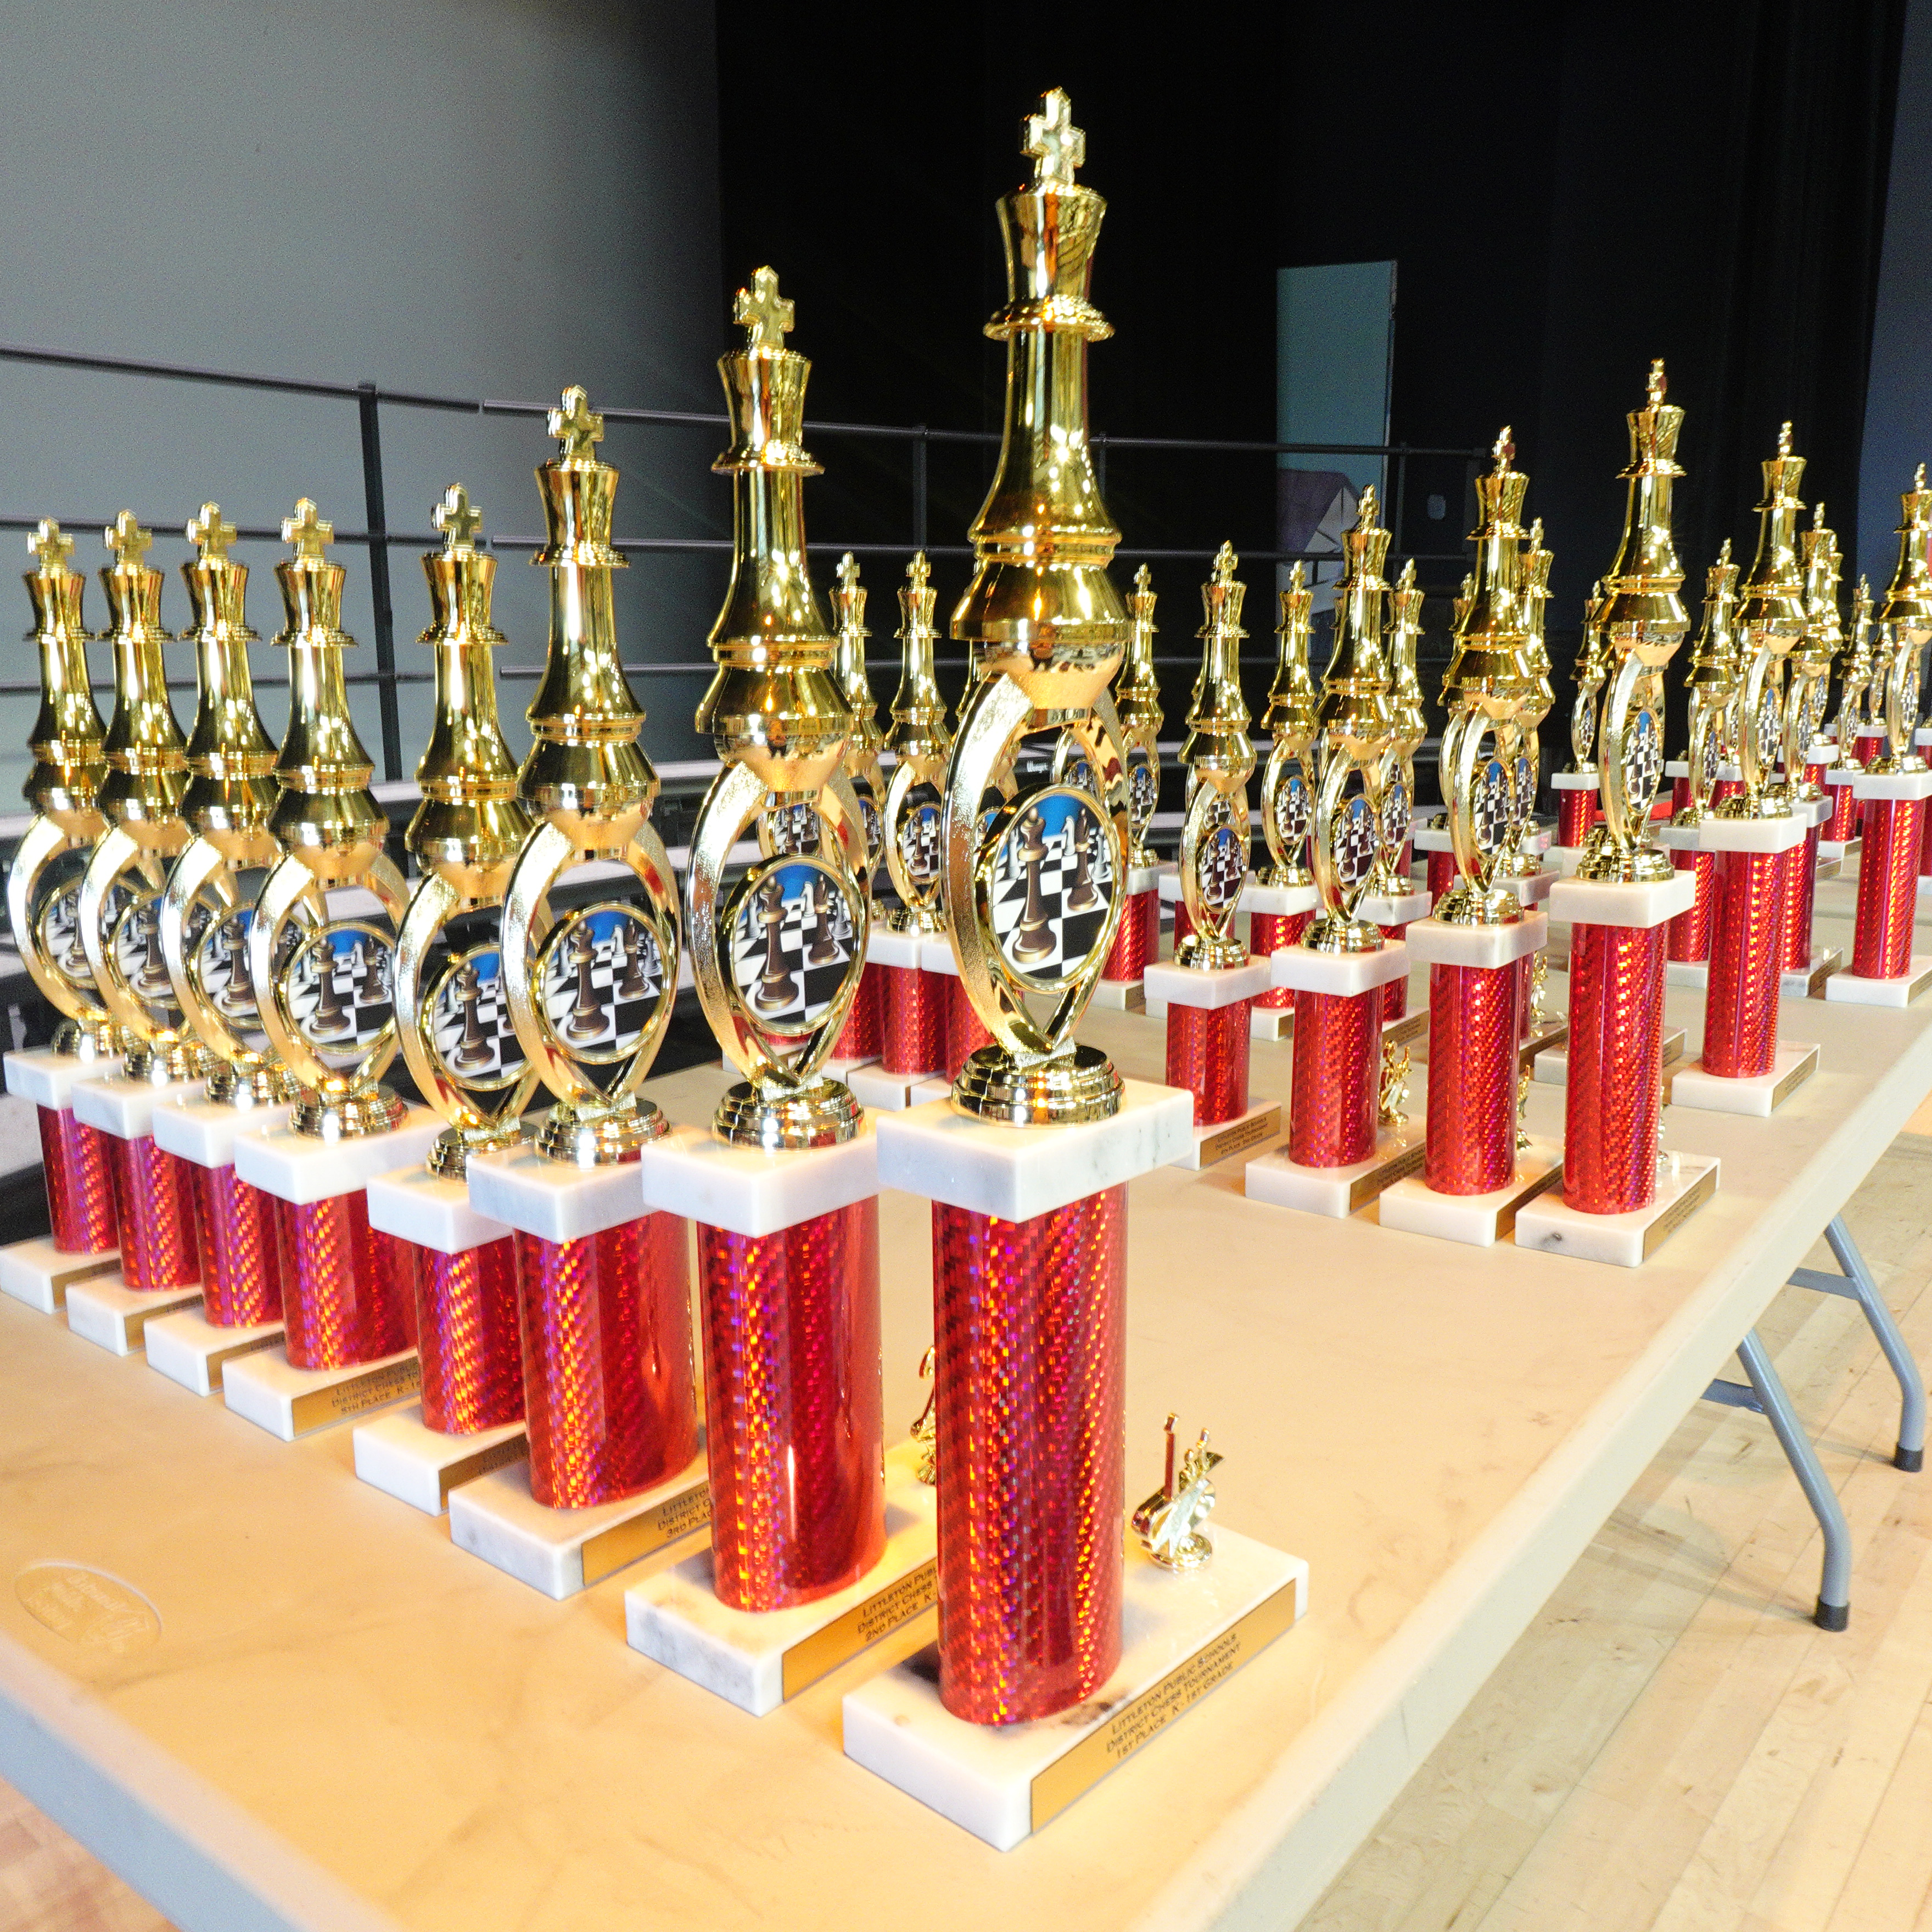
(1831, 1616)
(1910, 1460)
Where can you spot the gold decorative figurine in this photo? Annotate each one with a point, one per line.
(453, 1018)
(919, 741)
(778, 957)
(147, 774)
(1169, 1522)
(590, 988)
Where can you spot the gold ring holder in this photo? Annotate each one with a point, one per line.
(466, 835)
(338, 1040)
(1219, 756)
(1045, 628)
(1643, 621)
(209, 904)
(43, 882)
(1808, 691)
(591, 987)
(121, 890)
(778, 956)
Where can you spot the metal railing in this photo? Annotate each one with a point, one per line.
(370, 398)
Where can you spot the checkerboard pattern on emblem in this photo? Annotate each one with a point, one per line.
(1223, 866)
(1395, 815)
(224, 955)
(1643, 759)
(1493, 813)
(1291, 810)
(919, 842)
(1353, 841)
(357, 1000)
(470, 1029)
(792, 829)
(1143, 788)
(598, 1002)
(786, 989)
(1069, 934)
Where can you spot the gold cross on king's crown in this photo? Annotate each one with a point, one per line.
(307, 531)
(848, 572)
(767, 319)
(576, 427)
(50, 547)
(209, 534)
(459, 521)
(1057, 147)
(127, 540)
(1226, 563)
(919, 572)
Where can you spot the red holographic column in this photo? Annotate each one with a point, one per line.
(965, 1032)
(1029, 1320)
(1888, 888)
(1269, 932)
(1724, 788)
(1680, 795)
(1616, 1068)
(796, 1416)
(1208, 1054)
(1865, 748)
(1136, 939)
(1395, 992)
(1472, 1077)
(241, 1257)
(343, 1292)
(79, 1182)
(1800, 882)
(1842, 825)
(1183, 922)
(154, 1204)
(1441, 875)
(914, 1040)
(467, 1334)
(1576, 812)
(1925, 848)
(1746, 955)
(608, 1387)
(1338, 1052)
(863, 1035)
(1690, 931)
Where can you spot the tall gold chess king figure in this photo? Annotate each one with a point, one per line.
(1028, 1257)
(602, 1284)
(1137, 703)
(43, 892)
(864, 1035)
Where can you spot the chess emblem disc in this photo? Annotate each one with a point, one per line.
(1586, 729)
(135, 938)
(1769, 731)
(1643, 766)
(1220, 867)
(1395, 815)
(1293, 808)
(789, 829)
(875, 825)
(1908, 694)
(219, 962)
(1352, 846)
(790, 933)
(1052, 884)
(601, 970)
(919, 836)
(1143, 787)
(59, 925)
(340, 990)
(469, 1029)
(1492, 807)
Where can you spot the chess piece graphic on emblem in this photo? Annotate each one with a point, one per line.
(1035, 937)
(1081, 896)
(589, 1019)
(473, 1051)
(630, 985)
(778, 986)
(42, 884)
(329, 1017)
(1615, 1190)
(822, 945)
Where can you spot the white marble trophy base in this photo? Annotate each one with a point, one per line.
(1809, 982)
(1761, 1095)
(759, 1659)
(1551, 1067)
(561, 1551)
(1478, 1220)
(1645, 904)
(1832, 853)
(188, 1349)
(1016, 1174)
(1282, 902)
(1391, 908)
(48, 1078)
(291, 1402)
(1210, 987)
(1119, 996)
(125, 1108)
(1750, 834)
(1346, 975)
(1861, 991)
(1550, 1225)
(748, 1192)
(1435, 943)
(38, 1274)
(1247, 1133)
(873, 1087)
(1693, 973)
(301, 1168)
(834, 1069)
(398, 1455)
(1271, 1023)
(1892, 784)
(204, 1132)
(106, 1311)
(430, 1210)
(1336, 1192)
(527, 1191)
(1182, 1633)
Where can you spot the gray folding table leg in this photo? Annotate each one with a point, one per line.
(1766, 1395)
(1856, 1284)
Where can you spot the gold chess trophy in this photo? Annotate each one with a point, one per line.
(43, 906)
(1219, 756)
(1895, 785)
(1396, 782)
(209, 904)
(1861, 687)
(592, 1044)
(1711, 693)
(779, 721)
(147, 774)
(1524, 861)
(863, 1038)
(1807, 694)
(1137, 704)
(1592, 667)
(466, 835)
(1291, 721)
(920, 740)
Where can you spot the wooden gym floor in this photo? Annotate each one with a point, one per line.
(1671, 1745)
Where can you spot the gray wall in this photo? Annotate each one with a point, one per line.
(476, 197)
(1898, 403)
